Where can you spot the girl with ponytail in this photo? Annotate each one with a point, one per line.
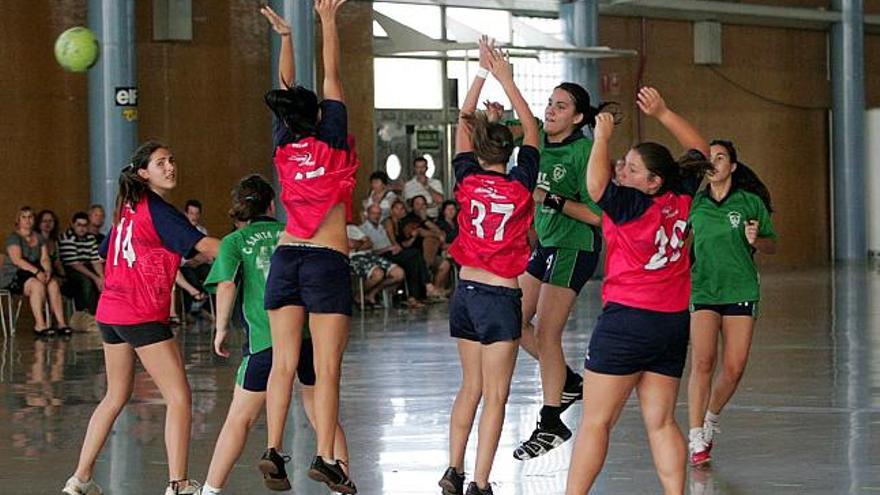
(640, 339)
(310, 274)
(485, 315)
(730, 220)
(566, 255)
(142, 253)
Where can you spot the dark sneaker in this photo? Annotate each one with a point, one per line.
(473, 489)
(452, 482)
(571, 393)
(274, 474)
(331, 475)
(543, 440)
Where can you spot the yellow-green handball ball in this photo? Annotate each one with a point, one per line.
(76, 49)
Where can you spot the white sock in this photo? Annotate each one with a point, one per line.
(712, 418)
(210, 490)
(695, 434)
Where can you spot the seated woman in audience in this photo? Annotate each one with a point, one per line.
(380, 194)
(410, 260)
(378, 273)
(47, 225)
(448, 220)
(27, 270)
(406, 235)
(428, 237)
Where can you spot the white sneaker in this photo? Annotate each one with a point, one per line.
(183, 487)
(76, 487)
(709, 431)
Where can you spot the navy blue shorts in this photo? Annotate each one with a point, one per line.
(563, 267)
(745, 308)
(317, 278)
(485, 313)
(253, 373)
(630, 340)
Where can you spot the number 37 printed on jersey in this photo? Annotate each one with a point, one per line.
(479, 212)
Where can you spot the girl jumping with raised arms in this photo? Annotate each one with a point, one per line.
(310, 271)
(640, 340)
(492, 249)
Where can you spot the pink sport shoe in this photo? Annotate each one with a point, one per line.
(700, 452)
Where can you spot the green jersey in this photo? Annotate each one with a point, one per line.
(724, 271)
(244, 258)
(563, 171)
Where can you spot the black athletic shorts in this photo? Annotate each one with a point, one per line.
(136, 335)
(253, 373)
(745, 308)
(563, 267)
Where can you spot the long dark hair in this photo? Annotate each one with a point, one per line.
(659, 162)
(492, 141)
(583, 106)
(297, 107)
(251, 198)
(744, 177)
(131, 185)
(53, 234)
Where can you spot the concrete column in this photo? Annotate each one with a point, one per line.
(112, 97)
(581, 21)
(848, 132)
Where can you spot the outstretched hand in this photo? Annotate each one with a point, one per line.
(499, 65)
(278, 23)
(604, 126)
(494, 110)
(487, 44)
(327, 9)
(651, 103)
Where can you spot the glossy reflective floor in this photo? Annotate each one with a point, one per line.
(806, 419)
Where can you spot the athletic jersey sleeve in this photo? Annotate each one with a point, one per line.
(623, 204)
(280, 133)
(463, 165)
(177, 234)
(526, 169)
(104, 247)
(226, 264)
(333, 127)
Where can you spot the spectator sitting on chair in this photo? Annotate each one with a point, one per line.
(410, 260)
(47, 225)
(428, 237)
(405, 235)
(85, 271)
(380, 194)
(96, 222)
(448, 221)
(28, 271)
(420, 185)
(378, 273)
(196, 269)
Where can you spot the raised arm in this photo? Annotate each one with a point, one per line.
(651, 103)
(286, 65)
(327, 10)
(599, 168)
(463, 142)
(499, 65)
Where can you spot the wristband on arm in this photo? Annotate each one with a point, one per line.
(555, 201)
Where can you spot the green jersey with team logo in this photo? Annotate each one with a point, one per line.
(563, 171)
(724, 271)
(244, 258)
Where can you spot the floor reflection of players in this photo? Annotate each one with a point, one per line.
(41, 399)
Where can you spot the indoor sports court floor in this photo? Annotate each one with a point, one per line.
(806, 419)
